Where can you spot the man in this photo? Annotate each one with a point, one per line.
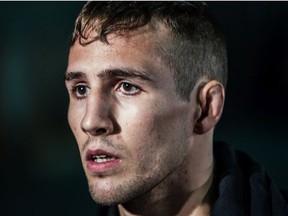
(146, 82)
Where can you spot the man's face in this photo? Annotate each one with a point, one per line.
(131, 127)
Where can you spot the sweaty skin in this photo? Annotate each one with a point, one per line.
(135, 135)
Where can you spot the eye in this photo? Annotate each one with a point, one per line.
(129, 89)
(81, 91)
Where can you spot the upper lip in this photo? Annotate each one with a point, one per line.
(90, 155)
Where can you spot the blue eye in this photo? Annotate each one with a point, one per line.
(129, 89)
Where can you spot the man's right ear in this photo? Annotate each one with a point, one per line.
(211, 98)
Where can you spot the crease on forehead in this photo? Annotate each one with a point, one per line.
(155, 35)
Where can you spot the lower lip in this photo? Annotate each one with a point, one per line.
(103, 167)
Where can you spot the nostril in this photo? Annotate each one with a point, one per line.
(101, 130)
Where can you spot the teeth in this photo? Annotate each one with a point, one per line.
(102, 158)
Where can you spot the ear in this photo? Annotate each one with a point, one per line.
(211, 98)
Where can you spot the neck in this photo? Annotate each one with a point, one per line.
(187, 191)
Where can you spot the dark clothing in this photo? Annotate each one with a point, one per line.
(244, 187)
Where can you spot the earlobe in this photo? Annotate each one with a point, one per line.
(211, 98)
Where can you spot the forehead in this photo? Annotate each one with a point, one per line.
(138, 48)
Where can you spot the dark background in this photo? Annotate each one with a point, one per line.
(41, 172)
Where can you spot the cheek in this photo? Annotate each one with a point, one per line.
(152, 134)
(156, 148)
(74, 120)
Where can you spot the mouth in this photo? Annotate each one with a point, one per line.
(102, 158)
(99, 161)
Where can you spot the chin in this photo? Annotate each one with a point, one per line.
(107, 199)
(110, 196)
(119, 193)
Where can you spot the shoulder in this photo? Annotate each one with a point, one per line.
(244, 185)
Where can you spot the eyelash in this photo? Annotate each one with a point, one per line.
(137, 90)
(76, 88)
(119, 88)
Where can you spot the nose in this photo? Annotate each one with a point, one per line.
(98, 117)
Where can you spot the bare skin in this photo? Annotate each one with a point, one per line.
(123, 104)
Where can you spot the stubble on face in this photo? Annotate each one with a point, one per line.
(149, 179)
(117, 193)
(154, 137)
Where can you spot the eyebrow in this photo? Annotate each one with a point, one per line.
(68, 76)
(110, 73)
(130, 73)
